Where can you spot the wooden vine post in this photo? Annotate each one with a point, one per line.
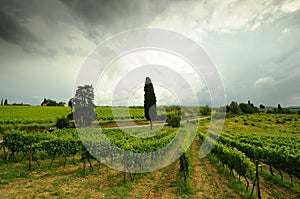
(184, 167)
(257, 177)
(256, 180)
(125, 168)
(30, 157)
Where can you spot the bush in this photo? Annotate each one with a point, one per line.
(62, 123)
(173, 120)
(205, 110)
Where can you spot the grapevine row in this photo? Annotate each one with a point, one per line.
(231, 157)
(66, 142)
(281, 158)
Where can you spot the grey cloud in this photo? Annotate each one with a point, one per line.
(75, 51)
(11, 29)
(101, 18)
(14, 18)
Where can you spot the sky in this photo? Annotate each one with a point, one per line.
(254, 45)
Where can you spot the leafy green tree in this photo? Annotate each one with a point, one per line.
(234, 107)
(2, 101)
(149, 102)
(246, 108)
(83, 106)
(5, 102)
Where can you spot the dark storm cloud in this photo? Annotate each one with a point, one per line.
(11, 28)
(97, 19)
(14, 16)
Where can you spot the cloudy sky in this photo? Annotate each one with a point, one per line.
(255, 45)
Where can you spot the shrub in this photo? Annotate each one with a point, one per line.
(205, 110)
(62, 122)
(173, 120)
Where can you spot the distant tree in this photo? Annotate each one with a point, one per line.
(249, 102)
(2, 101)
(234, 107)
(83, 106)
(70, 103)
(261, 106)
(227, 109)
(279, 107)
(205, 110)
(61, 104)
(5, 102)
(246, 108)
(149, 102)
(44, 103)
(51, 102)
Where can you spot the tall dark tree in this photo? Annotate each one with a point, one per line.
(227, 109)
(44, 103)
(262, 106)
(83, 106)
(2, 101)
(149, 102)
(5, 102)
(70, 103)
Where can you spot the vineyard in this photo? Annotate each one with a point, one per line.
(256, 155)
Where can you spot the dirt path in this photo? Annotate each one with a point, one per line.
(139, 124)
(205, 179)
(157, 184)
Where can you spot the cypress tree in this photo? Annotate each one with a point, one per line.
(149, 102)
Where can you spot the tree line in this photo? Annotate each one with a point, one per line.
(248, 108)
(4, 102)
(50, 102)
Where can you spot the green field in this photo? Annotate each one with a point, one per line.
(39, 118)
(271, 139)
(14, 115)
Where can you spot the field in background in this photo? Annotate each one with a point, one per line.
(39, 118)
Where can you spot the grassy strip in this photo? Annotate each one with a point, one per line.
(234, 184)
(277, 181)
